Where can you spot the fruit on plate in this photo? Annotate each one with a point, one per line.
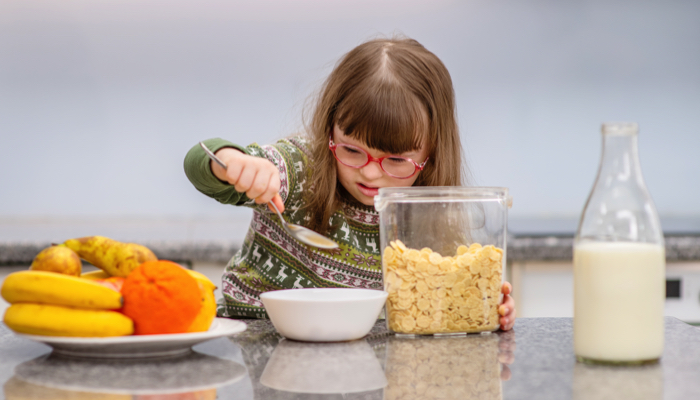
(53, 288)
(95, 275)
(114, 257)
(113, 282)
(57, 258)
(52, 320)
(201, 278)
(207, 313)
(161, 297)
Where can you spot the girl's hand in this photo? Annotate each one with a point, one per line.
(507, 308)
(257, 177)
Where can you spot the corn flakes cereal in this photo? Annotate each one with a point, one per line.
(435, 258)
(430, 293)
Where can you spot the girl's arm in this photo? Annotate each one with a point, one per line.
(199, 171)
(254, 174)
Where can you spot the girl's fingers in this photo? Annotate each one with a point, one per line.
(507, 288)
(266, 185)
(272, 183)
(245, 180)
(259, 189)
(507, 312)
(278, 202)
(507, 307)
(232, 173)
(507, 323)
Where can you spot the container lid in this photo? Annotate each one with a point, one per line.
(427, 194)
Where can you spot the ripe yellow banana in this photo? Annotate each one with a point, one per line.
(59, 289)
(95, 275)
(201, 278)
(50, 320)
(202, 322)
(114, 257)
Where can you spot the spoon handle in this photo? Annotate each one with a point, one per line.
(279, 214)
(213, 156)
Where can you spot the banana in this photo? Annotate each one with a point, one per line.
(201, 278)
(51, 320)
(95, 275)
(202, 322)
(59, 289)
(114, 257)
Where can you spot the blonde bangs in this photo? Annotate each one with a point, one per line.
(385, 116)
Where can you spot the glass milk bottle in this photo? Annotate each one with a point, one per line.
(619, 261)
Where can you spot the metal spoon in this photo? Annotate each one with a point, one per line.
(304, 235)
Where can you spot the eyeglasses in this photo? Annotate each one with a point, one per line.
(394, 166)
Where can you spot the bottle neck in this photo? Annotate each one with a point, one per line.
(620, 159)
(619, 207)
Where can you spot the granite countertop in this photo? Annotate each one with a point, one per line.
(534, 360)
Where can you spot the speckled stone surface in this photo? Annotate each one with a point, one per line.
(533, 361)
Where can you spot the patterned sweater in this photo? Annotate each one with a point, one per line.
(270, 259)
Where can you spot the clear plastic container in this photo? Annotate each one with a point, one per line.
(443, 257)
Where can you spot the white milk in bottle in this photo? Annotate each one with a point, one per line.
(619, 301)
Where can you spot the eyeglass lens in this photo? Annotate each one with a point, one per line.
(356, 157)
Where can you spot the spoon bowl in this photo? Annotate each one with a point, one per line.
(300, 233)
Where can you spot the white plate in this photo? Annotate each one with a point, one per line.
(137, 346)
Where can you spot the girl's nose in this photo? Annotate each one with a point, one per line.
(372, 170)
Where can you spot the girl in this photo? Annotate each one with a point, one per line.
(385, 117)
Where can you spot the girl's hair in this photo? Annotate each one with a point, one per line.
(395, 96)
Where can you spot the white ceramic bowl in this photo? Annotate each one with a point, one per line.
(324, 314)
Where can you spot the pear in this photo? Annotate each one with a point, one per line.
(113, 257)
(57, 258)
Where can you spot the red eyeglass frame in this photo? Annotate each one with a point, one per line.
(418, 167)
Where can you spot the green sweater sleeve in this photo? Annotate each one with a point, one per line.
(198, 170)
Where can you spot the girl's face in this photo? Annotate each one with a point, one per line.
(364, 183)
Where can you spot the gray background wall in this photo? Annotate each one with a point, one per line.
(100, 101)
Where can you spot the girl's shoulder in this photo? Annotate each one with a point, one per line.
(291, 156)
(298, 143)
(292, 150)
